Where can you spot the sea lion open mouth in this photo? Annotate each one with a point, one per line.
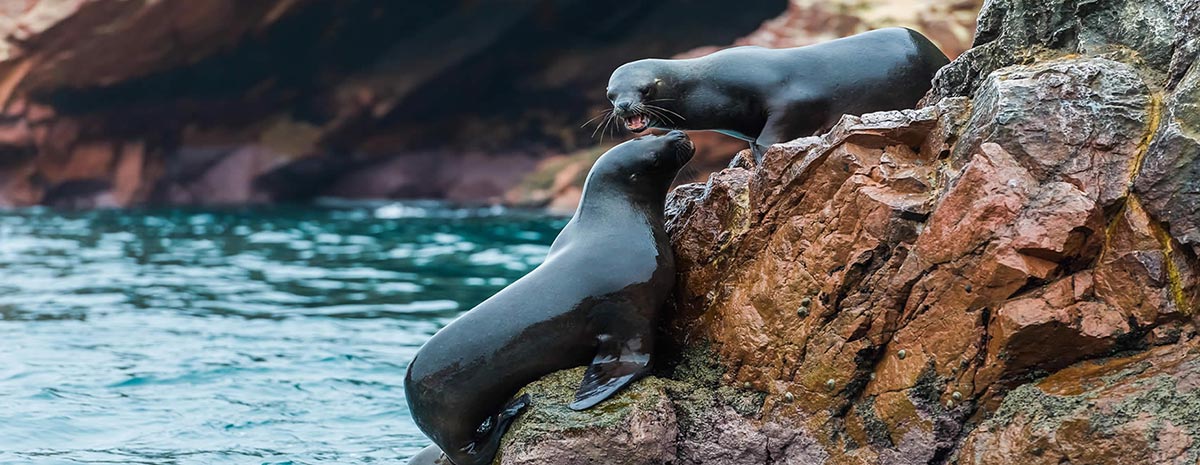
(637, 123)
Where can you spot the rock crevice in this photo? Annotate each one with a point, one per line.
(1007, 275)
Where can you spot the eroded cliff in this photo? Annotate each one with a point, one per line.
(1007, 275)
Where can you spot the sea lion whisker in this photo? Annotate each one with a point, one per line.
(642, 108)
(602, 123)
(604, 131)
(659, 116)
(658, 112)
(594, 118)
(666, 110)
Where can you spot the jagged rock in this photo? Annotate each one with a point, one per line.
(1019, 254)
(1159, 35)
(1170, 175)
(1143, 408)
(635, 428)
(688, 418)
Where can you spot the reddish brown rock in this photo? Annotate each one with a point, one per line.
(893, 285)
(1139, 409)
(910, 268)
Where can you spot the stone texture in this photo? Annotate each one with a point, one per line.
(1170, 175)
(637, 428)
(1007, 275)
(1158, 35)
(1143, 408)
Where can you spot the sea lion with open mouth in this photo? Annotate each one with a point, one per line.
(593, 301)
(767, 96)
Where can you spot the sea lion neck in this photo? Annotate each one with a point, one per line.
(607, 203)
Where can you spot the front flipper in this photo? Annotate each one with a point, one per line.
(617, 363)
(758, 152)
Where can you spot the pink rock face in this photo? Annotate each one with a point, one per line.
(893, 285)
(903, 272)
(1136, 409)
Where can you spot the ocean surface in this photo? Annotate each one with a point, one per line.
(274, 335)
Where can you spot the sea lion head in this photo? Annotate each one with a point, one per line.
(642, 167)
(640, 93)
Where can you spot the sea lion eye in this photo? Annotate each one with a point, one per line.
(645, 91)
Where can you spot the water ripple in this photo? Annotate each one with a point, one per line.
(275, 335)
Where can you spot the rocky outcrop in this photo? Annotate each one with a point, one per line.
(1143, 408)
(123, 102)
(1008, 275)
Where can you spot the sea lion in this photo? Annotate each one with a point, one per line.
(593, 301)
(767, 96)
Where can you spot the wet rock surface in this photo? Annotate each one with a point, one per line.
(1008, 275)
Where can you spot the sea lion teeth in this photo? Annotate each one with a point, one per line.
(636, 123)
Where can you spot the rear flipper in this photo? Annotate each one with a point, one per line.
(430, 455)
(617, 363)
(484, 449)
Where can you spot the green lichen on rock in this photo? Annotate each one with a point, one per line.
(549, 414)
(1162, 400)
(685, 395)
(1045, 412)
(1127, 400)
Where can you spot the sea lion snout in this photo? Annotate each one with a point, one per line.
(684, 148)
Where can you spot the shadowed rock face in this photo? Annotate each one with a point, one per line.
(314, 97)
(1008, 275)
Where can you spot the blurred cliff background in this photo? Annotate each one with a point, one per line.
(113, 103)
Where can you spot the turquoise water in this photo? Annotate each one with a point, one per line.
(271, 335)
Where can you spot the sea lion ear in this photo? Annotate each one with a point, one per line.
(617, 363)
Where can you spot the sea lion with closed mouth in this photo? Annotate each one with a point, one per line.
(767, 96)
(593, 301)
